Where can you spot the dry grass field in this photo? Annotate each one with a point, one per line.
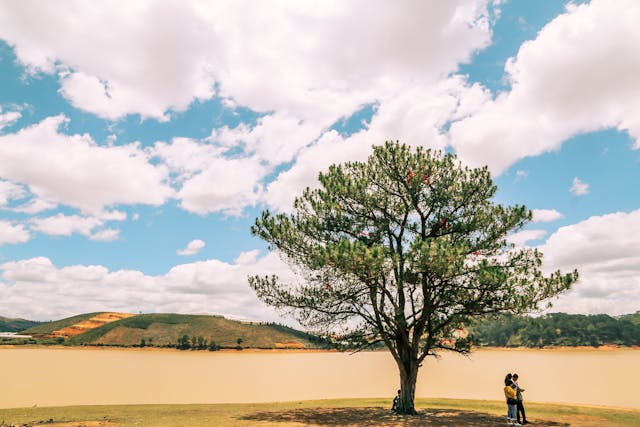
(340, 412)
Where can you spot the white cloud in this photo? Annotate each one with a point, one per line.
(192, 248)
(579, 75)
(546, 215)
(73, 170)
(606, 251)
(106, 235)
(35, 205)
(319, 60)
(13, 233)
(37, 289)
(276, 138)
(226, 184)
(210, 180)
(248, 257)
(66, 225)
(8, 118)
(579, 188)
(521, 238)
(10, 191)
(415, 116)
(314, 64)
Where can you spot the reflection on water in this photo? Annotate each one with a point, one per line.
(55, 377)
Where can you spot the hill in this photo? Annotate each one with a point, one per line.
(556, 329)
(633, 318)
(48, 327)
(173, 329)
(15, 325)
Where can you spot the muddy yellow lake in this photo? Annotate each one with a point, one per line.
(67, 376)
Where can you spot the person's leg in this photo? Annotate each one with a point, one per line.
(521, 411)
(512, 413)
(518, 406)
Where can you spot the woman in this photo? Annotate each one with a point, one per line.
(510, 394)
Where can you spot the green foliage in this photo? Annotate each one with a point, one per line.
(634, 318)
(556, 329)
(15, 325)
(184, 343)
(404, 248)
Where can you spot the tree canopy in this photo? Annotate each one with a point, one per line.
(404, 248)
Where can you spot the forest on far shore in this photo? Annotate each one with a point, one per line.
(556, 329)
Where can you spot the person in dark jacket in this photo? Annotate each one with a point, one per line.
(396, 403)
(519, 404)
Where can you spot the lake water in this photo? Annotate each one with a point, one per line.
(67, 376)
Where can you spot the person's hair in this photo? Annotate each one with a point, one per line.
(507, 382)
(508, 377)
(515, 376)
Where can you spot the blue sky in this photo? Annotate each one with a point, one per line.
(134, 156)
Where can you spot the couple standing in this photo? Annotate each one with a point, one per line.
(515, 407)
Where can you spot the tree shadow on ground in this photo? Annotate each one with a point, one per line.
(382, 417)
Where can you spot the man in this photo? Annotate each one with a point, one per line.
(396, 403)
(519, 404)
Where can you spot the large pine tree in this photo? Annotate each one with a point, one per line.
(403, 249)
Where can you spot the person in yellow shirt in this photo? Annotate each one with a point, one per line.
(511, 395)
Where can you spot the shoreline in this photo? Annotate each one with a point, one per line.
(303, 350)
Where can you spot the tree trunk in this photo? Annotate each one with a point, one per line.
(408, 377)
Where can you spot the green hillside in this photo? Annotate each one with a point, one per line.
(556, 329)
(15, 325)
(633, 318)
(168, 329)
(48, 327)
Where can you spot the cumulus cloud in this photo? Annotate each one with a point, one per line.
(313, 65)
(578, 75)
(75, 171)
(37, 289)
(11, 233)
(546, 215)
(579, 188)
(415, 115)
(35, 205)
(606, 251)
(521, 238)
(275, 139)
(66, 225)
(210, 180)
(10, 191)
(8, 118)
(226, 184)
(192, 248)
(319, 60)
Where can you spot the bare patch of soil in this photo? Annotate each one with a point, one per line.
(92, 323)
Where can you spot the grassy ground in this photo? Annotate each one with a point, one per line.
(342, 412)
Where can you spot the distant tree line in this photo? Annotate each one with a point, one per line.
(321, 341)
(556, 329)
(196, 343)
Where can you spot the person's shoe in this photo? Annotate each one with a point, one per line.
(517, 424)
